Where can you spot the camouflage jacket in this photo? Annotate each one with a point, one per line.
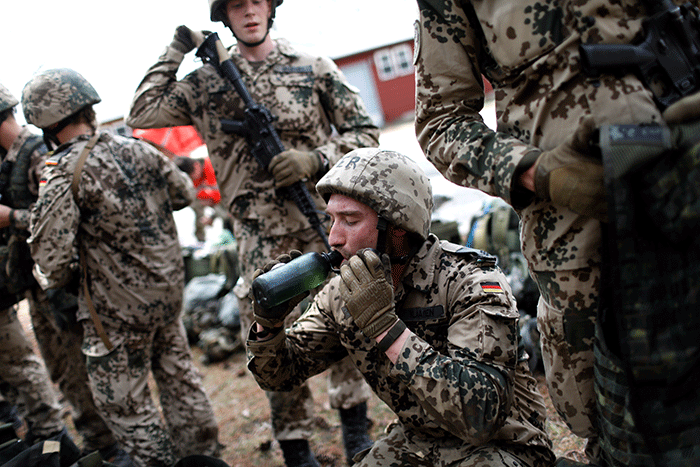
(122, 223)
(27, 139)
(460, 377)
(309, 97)
(528, 51)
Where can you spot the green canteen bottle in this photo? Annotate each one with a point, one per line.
(288, 280)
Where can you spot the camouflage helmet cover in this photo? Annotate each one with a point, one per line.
(7, 100)
(388, 182)
(53, 95)
(216, 9)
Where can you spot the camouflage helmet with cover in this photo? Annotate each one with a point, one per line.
(217, 13)
(54, 95)
(7, 100)
(388, 182)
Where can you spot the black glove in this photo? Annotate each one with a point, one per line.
(274, 316)
(185, 40)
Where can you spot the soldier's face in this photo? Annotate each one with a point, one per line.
(354, 225)
(249, 18)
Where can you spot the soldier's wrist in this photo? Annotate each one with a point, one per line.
(387, 339)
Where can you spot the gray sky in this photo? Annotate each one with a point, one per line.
(113, 43)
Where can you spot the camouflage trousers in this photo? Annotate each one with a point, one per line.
(566, 316)
(292, 412)
(119, 381)
(399, 448)
(65, 362)
(27, 377)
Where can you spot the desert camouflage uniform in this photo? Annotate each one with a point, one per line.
(528, 51)
(461, 388)
(27, 377)
(310, 99)
(60, 347)
(123, 225)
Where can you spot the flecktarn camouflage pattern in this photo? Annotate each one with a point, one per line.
(7, 100)
(528, 50)
(461, 360)
(390, 183)
(53, 95)
(128, 239)
(308, 95)
(25, 372)
(315, 109)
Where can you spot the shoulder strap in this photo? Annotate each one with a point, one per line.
(88, 300)
(81, 162)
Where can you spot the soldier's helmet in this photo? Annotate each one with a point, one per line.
(217, 13)
(390, 183)
(54, 95)
(7, 100)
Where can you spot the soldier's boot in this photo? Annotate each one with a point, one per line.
(297, 453)
(355, 425)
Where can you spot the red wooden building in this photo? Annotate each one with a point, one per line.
(385, 78)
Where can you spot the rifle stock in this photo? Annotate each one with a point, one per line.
(257, 129)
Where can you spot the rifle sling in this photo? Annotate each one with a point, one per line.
(74, 188)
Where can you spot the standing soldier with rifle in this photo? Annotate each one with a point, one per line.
(308, 99)
(607, 210)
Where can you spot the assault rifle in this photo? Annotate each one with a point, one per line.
(668, 58)
(256, 127)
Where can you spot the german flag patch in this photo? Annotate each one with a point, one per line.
(491, 287)
(42, 182)
(51, 161)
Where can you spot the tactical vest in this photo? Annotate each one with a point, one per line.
(15, 192)
(649, 321)
(15, 260)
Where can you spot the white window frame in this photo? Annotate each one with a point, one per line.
(394, 62)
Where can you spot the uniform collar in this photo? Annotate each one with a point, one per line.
(282, 49)
(73, 141)
(420, 270)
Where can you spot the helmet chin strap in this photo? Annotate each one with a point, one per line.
(50, 136)
(383, 229)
